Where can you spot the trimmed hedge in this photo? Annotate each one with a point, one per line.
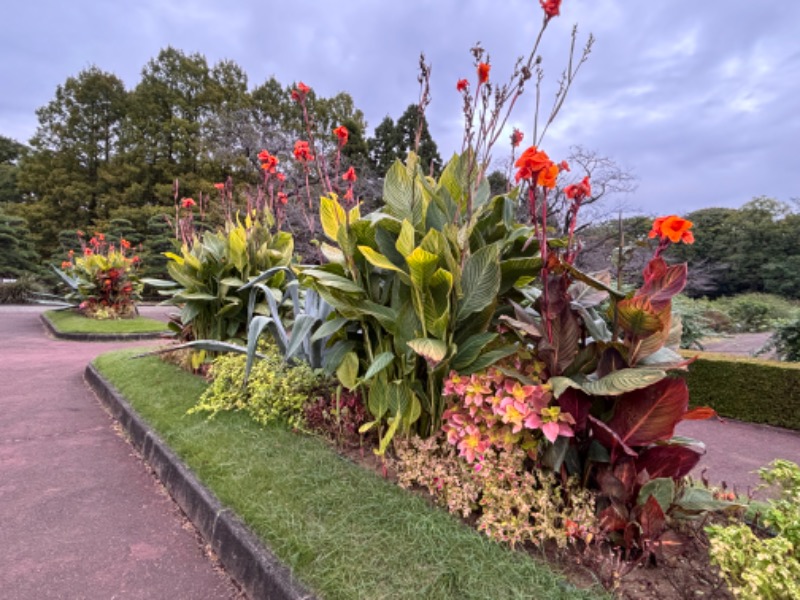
(748, 389)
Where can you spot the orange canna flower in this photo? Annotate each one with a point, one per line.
(87, 251)
(563, 165)
(530, 162)
(66, 264)
(483, 72)
(547, 176)
(263, 155)
(462, 85)
(341, 133)
(268, 161)
(125, 244)
(280, 177)
(188, 203)
(674, 228)
(219, 186)
(551, 7)
(350, 175)
(348, 195)
(283, 198)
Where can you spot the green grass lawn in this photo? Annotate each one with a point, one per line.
(345, 532)
(67, 321)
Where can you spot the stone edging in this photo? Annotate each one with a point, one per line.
(253, 566)
(100, 337)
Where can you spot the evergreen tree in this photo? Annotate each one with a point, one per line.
(18, 254)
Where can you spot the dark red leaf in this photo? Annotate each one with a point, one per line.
(576, 403)
(614, 518)
(651, 518)
(661, 282)
(608, 437)
(643, 417)
(668, 461)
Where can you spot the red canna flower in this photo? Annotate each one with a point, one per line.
(516, 137)
(66, 264)
(348, 195)
(551, 7)
(283, 198)
(219, 186)
(101, 236)
(350, 175)
(483, 72)
(87, 251)
(579, 191)
(268, 161)
(300, 92)
(302, 152)
(280, 177)
(188, 203)
(563, 165)
(94, 242)
(71, 253)
(79, 233)
(125, 244)
(341, 133)
(673, 228)
(462, 85)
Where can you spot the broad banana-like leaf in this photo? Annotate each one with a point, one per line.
(376, 259)
(432, 350)
(334, 281)
(421, 266)
(480, 281)
(332, 253)
(329, 328)
(594, 282)
(332, 216)
(489, 358)
(637, 317)
(404, 243)
(378, 398)
(613, 384)
(336, 354)
(398, 192)
(469, 351)
(347, 372)
(647, 415)
(379, 363)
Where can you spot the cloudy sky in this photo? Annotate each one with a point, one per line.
(699, 99)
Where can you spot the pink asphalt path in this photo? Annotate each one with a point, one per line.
(80, 515)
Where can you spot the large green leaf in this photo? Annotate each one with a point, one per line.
(480, 281)
(379, 363)
(661, 488)
(468, 351)
(334, 281)
(376, 259)
(398, 192)
(638, 318)
(332, 216)
(421, 266)
(347, 372)
(613, 384)
(433, 351)
(405, 240)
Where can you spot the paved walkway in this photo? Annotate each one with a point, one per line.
(80, 515)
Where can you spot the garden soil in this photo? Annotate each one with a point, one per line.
(82, 517)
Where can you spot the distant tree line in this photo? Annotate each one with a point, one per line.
(755, 248)
(105, 157)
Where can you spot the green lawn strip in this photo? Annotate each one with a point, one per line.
(67, 321)
(344, 531)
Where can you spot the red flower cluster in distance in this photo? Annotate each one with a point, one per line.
(268, 161)
(300, 92)
(516, 137)
(483, 72)
(188, 203)
(302, 152)
(350, 175)
(342, 135)
(462, 85)
(551, 7)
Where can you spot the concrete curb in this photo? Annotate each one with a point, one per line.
(101, 337)
(253, 566)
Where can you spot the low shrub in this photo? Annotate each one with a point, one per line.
(748, 389)
(19, 291)
(338, 415)
(785, 341)
(767, 566)
(756, 312)
(274, 390)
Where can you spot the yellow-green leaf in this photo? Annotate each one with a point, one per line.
(332, 216)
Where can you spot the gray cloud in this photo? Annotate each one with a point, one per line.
(697, 98)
